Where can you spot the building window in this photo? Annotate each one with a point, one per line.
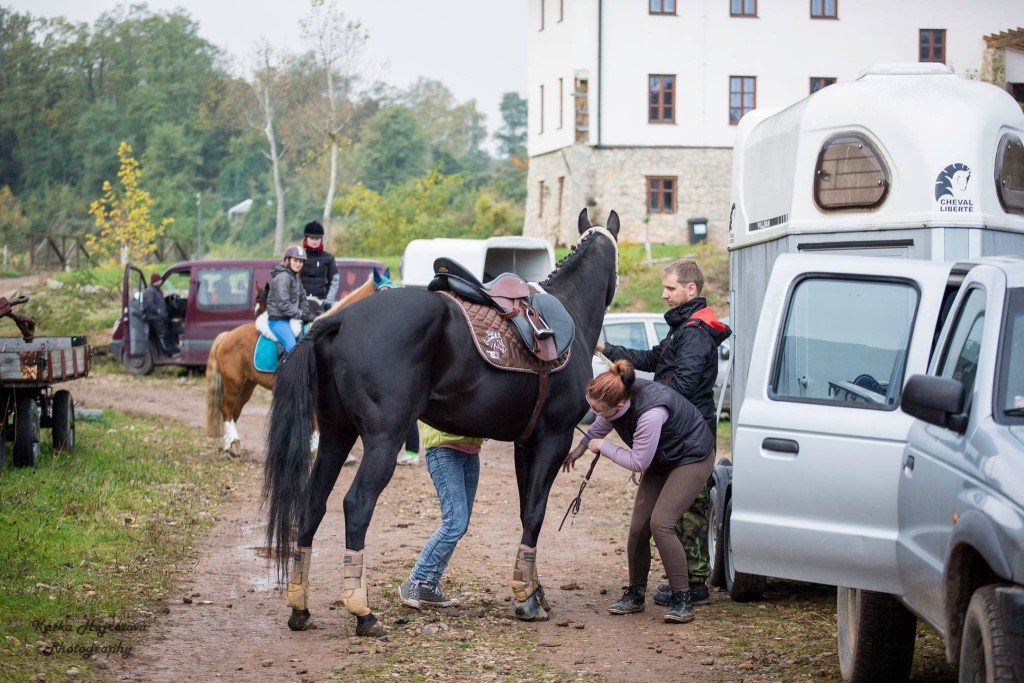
(561, 10)
(661, 106)
(824, 9)
(540, 128)
(561, 103)
(661, 194)
(663, 6)
(743, 8)
(540, 199)
(742, 97)
(933, 45)
(541, 15)
(819, 82)
(561, 192)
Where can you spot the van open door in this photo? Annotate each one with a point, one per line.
(137, 357)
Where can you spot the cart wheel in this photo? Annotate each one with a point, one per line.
(3, 446)
(63, 421)
(139, 365)
(25, 450)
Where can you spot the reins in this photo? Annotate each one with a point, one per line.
(574, 506)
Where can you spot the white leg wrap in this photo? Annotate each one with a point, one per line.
(298, 582)
(524, 573)
(230, 434)
(353, 584)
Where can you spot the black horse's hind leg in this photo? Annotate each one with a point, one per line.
(334, 448)
(374, 474)
(536, 468)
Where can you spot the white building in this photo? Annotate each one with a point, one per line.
(633, 103)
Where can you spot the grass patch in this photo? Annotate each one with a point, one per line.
(92, 540)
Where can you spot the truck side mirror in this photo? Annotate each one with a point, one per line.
(936, 400)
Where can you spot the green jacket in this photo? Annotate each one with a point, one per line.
(430, 437)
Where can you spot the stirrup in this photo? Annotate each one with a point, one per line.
(542, 332)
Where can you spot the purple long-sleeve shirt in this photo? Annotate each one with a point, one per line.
(645, 439)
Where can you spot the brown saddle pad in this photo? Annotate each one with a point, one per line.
(498, 343)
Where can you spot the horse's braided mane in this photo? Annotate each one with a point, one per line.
(574, 253)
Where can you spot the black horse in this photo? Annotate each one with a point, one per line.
(373, 369)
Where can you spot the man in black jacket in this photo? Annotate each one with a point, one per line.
(687, 361)
(154, 311)
(320, 272)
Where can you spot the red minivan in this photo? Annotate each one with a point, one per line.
(204, 298)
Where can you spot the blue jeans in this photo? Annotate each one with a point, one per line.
(456, 475)
(282, 329)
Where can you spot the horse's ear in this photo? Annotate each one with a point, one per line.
(584, 221)
(613, 224)
(376, 277)
(387, 273)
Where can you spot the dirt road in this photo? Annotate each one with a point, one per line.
(233, 626)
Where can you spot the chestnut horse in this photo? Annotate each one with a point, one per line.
(231, 377)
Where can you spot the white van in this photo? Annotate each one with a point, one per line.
(532, 258)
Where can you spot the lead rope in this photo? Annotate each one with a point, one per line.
(574, 506)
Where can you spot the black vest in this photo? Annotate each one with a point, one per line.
(317, 272)
(685, 437)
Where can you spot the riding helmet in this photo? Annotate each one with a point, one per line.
(314, 229)
(295, 252)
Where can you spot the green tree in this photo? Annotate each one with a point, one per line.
(511, 136)
(454, 131)
(393, 148)
(126, 232)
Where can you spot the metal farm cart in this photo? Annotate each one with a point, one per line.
(28, 371)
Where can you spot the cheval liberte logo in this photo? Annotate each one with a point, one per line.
(953, 189)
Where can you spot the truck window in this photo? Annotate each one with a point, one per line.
(224, 288)
(844, 342)
(960, 357)
(1011, 362)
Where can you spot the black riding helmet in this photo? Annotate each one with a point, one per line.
(314, 229)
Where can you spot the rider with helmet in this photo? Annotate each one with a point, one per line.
(320, 272)
(287, 298)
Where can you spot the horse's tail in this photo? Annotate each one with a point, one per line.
(214, 390)
(286, 469)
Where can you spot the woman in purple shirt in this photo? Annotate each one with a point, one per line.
(670, 442)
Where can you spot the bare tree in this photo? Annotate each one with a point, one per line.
(266, 81)
(338, 49)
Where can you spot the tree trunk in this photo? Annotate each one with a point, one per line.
(332, 184)
(275, 162)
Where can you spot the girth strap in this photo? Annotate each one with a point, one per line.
(542, 393)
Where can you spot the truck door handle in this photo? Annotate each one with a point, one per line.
(781, 445)
(908, 464)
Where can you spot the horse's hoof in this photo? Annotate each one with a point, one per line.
(299, 621)
(370, 626)
(534, 608)
(543, 600)
(235, 449)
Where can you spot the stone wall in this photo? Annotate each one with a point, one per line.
(602, 179)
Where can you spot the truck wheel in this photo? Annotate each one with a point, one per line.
(716, 542)
(25, 451)
(138, 365)
(988, 643)
(876, 636)
(742, 587)
(63, 421)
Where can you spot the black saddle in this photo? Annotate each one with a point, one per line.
(540, 320)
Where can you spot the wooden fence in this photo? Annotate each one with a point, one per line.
(66, 252)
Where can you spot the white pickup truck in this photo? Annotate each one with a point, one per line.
(858, 215)
(831, 489)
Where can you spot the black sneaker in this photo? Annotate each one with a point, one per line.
(431, 596)
(632, 601)
(699, 592)
(680, 608)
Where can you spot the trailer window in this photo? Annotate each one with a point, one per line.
(1010, 174)
(845, 343)
(850, 174)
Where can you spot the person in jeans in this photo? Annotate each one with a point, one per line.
(287, 298)
(454, 466)
(670, 442)
(686, 361)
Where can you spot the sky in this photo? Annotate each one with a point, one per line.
(477, 48)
